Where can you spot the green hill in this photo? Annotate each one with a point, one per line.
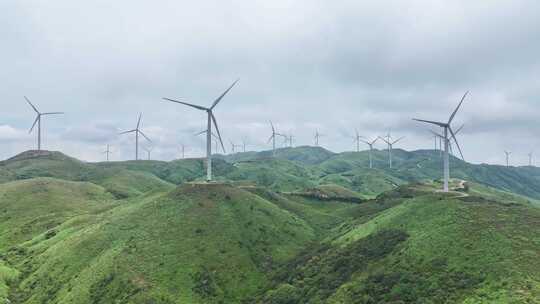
(196, 244)
(428, 248)
(307, 226)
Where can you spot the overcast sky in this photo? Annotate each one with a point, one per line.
(306, 65)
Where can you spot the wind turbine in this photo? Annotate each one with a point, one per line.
(211, 118)
(289, 139)
(148, 151)
(234, 146)
(441, 137)
(38, 120)
(390, 143)
(317, 136)
(447, 129)
(107, 152)
(137, 131)
(370, 144)
(273, 138)
(508, 153)
(530, 159)
(182, 149)
(357, 140)
(243, 145)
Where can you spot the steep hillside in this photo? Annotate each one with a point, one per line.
(428, 248)
(31, 207)
(196, 244)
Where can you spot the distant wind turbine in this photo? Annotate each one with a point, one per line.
(508, 153)
(182, 150)
(211, 118)
(234, 146)
(243, 145)
(273, 137)
(530, 159)
(370, 144)
(388, 140)
(107, 152)
(38, 120)
(357, 140)
(447, 129)
(137, 131)
(317, 136)
(148, 151)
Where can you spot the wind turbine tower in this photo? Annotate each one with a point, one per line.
(137, 131)
(210, 119)
(370, 144)
(273, 138)
(388, 140)
(447, 131)
(357, 140)
(507, 153)
(148, 151)
(530, 159)
(107, 152)
(317, 136)
(38, 121)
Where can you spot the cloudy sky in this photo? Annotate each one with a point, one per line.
(304, 64)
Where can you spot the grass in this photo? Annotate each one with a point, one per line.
(305, 227)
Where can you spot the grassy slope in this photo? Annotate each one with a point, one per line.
(195, 244)
(31, 207)
(429, 248)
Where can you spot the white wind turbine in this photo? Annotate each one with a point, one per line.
(107, 152)
(357, 140)
(273, 137)
(210, 118)
(38, 120)
(390, 143)
(182, 150)
(530, 158)
(137, 131)
(148, 151)
(446, 130)
(507, 153)
(370, 144)
(316, 137)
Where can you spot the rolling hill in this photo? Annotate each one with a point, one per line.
(308, 226)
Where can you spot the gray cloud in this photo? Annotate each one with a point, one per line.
(371, 65)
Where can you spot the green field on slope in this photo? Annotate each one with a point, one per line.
(305, 226)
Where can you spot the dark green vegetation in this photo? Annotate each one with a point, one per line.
(308, 226)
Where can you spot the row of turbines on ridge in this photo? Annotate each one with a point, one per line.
(445, 138)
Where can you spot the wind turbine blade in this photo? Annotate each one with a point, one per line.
(33, 125)
(130, 131)
(52, 113)
(364, 141)
(187, 104)
(459, 129)
(440, 124)
(456, 141)
(398, 140)
(33, 107)
(386, 141)
(223, 95)
(374, 141)
(436, 134)
(273, 129)
(217, 129)
(145, 136)
(139, 121)
(459, 105)
(202, 132)
(270, 139)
